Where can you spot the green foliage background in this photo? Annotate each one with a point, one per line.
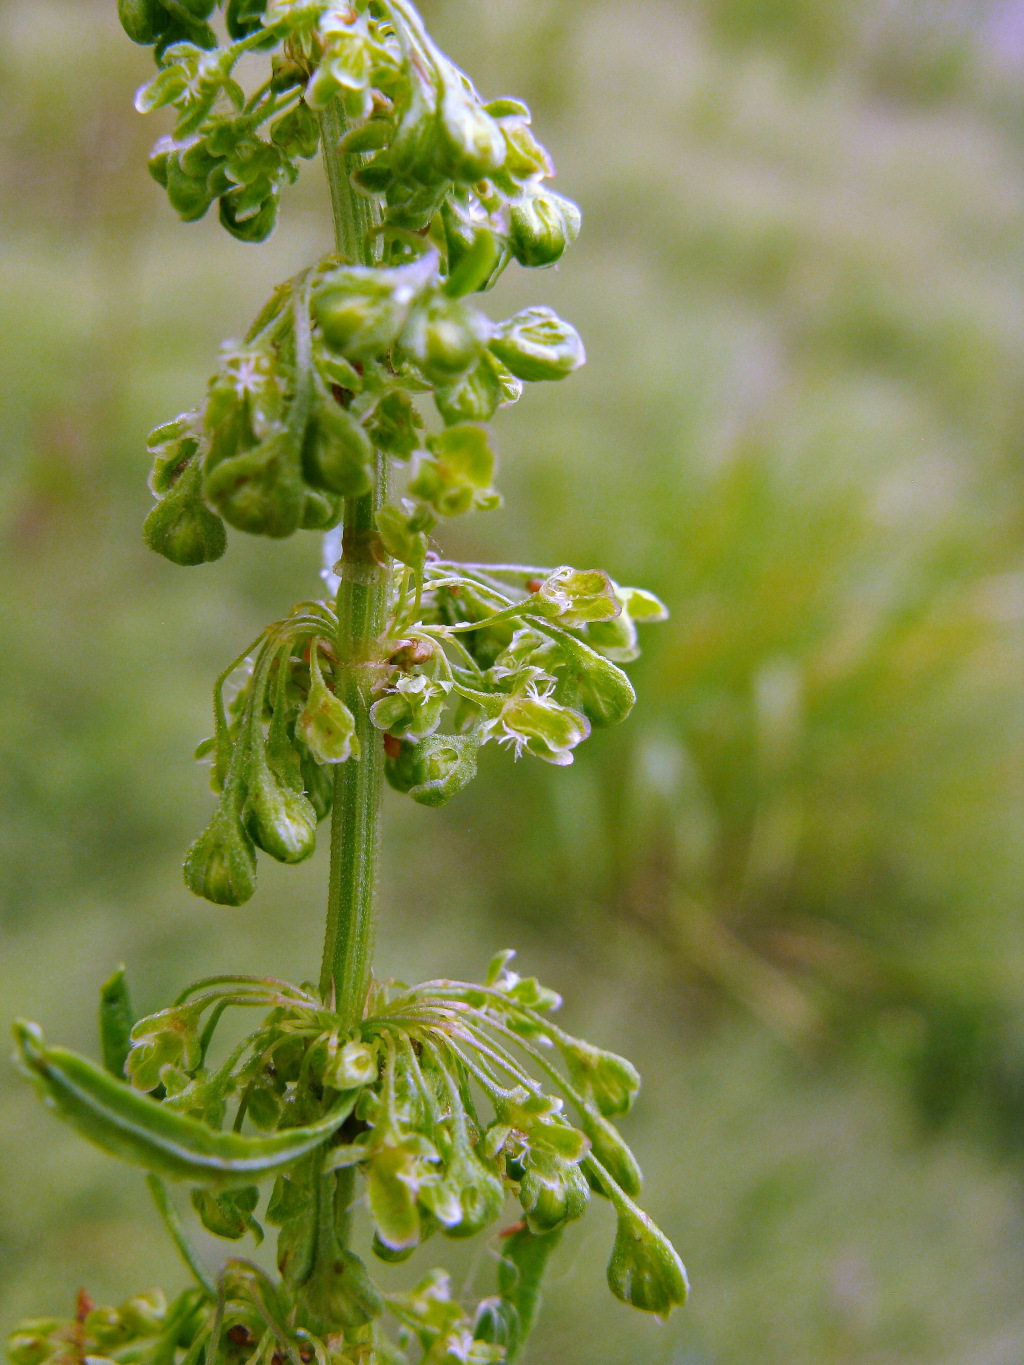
(791, 888)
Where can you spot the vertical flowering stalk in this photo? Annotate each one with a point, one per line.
(359, 404)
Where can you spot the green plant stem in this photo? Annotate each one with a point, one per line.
(362, 614)
(173, 1224)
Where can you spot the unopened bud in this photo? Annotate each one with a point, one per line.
(259, 491)
(610, 1080)
(31, 1342)
(353, 1065)
(403, 532)
(541, 226)
(143, 20)
(282, 821)
(497, 1323)
(471, 145)
(325, 723)
(362, 311)
(337, 453)
(249, 227)
(221, 864)
(459, 475)
(536, 345)
(181, 527)
(552, 1192)
(645, 1270)
(435, 769)
(611, 1151)
(443, 339)
(228, 1215)
(479, 393)
(396, 426)
(572, 597)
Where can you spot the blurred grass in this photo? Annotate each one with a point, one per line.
(791, 886)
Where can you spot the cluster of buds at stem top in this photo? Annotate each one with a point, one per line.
(422, 144)
(445, 1102)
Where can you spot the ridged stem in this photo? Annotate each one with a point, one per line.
(362, 616)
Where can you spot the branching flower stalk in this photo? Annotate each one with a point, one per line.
(358, 405)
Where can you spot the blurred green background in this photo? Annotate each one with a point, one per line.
(791, 887)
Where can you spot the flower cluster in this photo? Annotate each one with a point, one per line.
(325, 379)
(470, 658)
(445, 1101)
(422, 142)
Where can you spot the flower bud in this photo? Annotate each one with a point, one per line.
(593, 684)
(169, 1038)
(144, 1315)
(221, 864)
(435, 769)
(616, 639)
(394, 1179)
(259, 491)
(188, 195)
(396, 425)
(459, 475)
(469, 144)
(228, 1215)
(645, 1270)
(244, 17)
(361, 311)
(443, 339)
(181, 527)
(467, 1198)
(536, 344)
(412, 708)
(479, 393)
(610, 1080)
(159, 159)
(297, 132)
(281, 821)
(475, 260)
(320, 511)
(249, 227)
(541, 225)
(143, 20)
(337, 453)
(553, 1192)
(347, 1296)
(572, 597)
(32, 1342)
(611, 1151)
(403, 532)
(353, 1065)
(535, 724)
(325, 723)
(497, 1323)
